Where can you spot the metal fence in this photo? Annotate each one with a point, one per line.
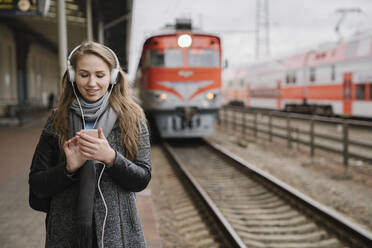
(349, 138)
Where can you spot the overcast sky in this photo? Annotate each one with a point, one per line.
(294, 24)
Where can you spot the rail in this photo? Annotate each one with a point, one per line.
(240, 195)
(234, 239)
(304, 133)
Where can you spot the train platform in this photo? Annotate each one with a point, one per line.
(20, 226)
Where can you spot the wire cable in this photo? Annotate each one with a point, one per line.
(104, 203)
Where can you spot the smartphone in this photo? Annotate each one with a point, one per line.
(91, 132)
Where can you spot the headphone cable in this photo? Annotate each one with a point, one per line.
(104, 203)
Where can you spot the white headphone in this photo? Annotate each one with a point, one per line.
(114, 71)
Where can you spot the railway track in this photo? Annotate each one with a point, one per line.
(258, 210)
(185, 221)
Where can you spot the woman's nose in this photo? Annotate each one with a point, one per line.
(92, 81)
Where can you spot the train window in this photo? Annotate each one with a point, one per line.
(333, 72)
(364, 46)
(203, 57)
(351, 48)
(360, 91)
(166, 58)
(312, 75)
(291, 77)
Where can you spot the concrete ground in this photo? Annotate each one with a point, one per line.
(20, 226)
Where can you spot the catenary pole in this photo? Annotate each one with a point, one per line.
(89, 20)
(62, 40)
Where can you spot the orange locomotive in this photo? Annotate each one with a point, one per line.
(179, 81)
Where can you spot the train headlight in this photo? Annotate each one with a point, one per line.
(210, 96)
(163, 96)
(184, 40)
(158, 97)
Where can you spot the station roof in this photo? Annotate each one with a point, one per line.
(115, 14)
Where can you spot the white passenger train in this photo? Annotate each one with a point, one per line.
(335, 78)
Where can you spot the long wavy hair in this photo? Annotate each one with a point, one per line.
(130, 114)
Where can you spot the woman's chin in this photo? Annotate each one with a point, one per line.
(91, 99)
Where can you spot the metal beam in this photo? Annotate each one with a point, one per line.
(117, 21)
(89, 20)
(101, 31)
(62, 36)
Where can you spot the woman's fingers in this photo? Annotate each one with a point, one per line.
(88, 144)
(86, 137)
(88, 155)
(93, 148)
(87, 150)
(100, 134)
(68, 143)
(65, 147)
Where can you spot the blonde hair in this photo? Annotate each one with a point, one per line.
(130, 114)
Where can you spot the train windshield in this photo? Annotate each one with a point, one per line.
(203, 57)
(167, 58)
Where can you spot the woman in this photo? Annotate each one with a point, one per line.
(86, 182)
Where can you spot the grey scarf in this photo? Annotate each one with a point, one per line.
(106, 120)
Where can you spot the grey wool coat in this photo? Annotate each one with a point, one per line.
(50, 183)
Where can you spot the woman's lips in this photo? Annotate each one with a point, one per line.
(91, 92)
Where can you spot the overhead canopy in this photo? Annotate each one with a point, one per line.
(115, 15)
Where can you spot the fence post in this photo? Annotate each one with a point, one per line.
(255, 124)
(227, 119)
(223, 116)
(243, 122)
(235, 120)
(312, 148)
(270, 127)
(222, 113)
(345, 128)
(289, 139)
(230, 124)
(297, 137)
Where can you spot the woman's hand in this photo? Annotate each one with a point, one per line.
(96, 148)
(74, 158)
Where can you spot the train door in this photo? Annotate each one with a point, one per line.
(347, 93)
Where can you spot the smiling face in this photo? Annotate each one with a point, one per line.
(92, 77)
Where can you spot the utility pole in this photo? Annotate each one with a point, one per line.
(89, 20)
(262, 28)
(62, 40)
(343, 15)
